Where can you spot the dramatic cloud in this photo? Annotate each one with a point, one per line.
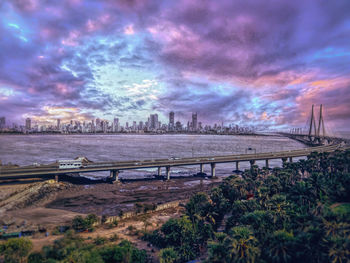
(246, 62)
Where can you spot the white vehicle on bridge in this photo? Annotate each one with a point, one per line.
(70, 164)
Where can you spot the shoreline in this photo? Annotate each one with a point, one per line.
(137, 134)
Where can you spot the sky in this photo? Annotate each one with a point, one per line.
(244, 62)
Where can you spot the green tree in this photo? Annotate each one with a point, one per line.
(340, 250)
(83, 256)
(16, 249)
(261, 221)
(233, 188)
(181, 234)
(198, 204)
(281, 247)
(36, 257)
(78, 223)
(218, 249)
(90, 220)
(168, 255)
(244, 246)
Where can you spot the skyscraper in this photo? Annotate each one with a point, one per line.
(141, 125)
(58, 124)
(28, 124)
(194, 121)
(115, 126)
(171, 120)
(2, 122)
(154, 121)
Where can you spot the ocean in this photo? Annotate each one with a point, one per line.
(45, 149)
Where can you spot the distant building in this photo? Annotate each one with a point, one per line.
(58, 124)
(154, 121)
(171, 120)
(178, 126)
(104, 125)
(2, 123)
(28, 124)
(200, 126)
(141, 125)
(115, 127)
(194, 121)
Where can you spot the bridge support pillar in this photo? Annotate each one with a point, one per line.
(201, 168)
(284, 161)
(212, 169)
(114, 175)
(168, 172)
(159, 171)
(237, 166)
(252, 162)
(267, 163)
(290, 159)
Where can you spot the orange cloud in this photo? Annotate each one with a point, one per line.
(65, 114)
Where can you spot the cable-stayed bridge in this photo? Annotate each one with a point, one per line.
(316, 136)
(315, 133)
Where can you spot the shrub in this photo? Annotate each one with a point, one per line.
(168, 255)
(15, 249)
(100, 240)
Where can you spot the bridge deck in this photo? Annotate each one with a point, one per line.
(39, 172)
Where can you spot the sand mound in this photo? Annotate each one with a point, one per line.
(33, 194)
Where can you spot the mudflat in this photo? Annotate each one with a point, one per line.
(48, 204)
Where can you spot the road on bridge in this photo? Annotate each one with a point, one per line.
(53, 170)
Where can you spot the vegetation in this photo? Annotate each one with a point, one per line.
(80, 224)
(298, 213)
(15, 249)
(72, 248)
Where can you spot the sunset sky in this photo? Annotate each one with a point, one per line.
(245, 62)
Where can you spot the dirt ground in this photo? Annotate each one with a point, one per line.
(154, 221)
(48, 204)
(31, 206)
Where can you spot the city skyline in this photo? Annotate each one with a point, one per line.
(245, 62)
(152, 124)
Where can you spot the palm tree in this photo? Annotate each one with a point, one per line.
(244, 245)
(302, 166)
(334, 228)
(340, 251)
(281, 247)
(217, 252)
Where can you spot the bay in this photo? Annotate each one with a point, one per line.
(45, 149)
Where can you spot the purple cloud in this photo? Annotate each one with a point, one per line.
(246, 62)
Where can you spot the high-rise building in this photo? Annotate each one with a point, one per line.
(154, 121)
(178, 126)
(115, 127)
(200, 126)
(58, 124)
(171, 120)
(194, 121)
(2, 122)
(104, 125)
(28, 124)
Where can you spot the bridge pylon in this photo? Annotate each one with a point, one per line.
(312, 123)
(317, 132)
(321, 124)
